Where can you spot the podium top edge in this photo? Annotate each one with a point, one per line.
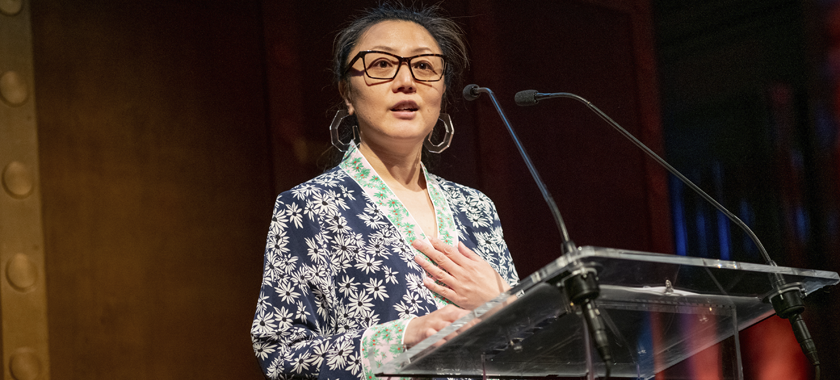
(586, 254)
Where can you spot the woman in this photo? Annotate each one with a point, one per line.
(377, 254)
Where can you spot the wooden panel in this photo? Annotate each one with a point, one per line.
(23, 295)
(156, 185)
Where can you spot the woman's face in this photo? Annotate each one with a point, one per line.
(394, 114)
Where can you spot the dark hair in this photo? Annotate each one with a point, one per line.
(448, 35)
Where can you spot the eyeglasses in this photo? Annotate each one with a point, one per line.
(382, 65)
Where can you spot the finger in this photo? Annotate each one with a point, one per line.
(467, 326)
(459, 330)
(424, 263)
(450, 336)
(433, 270)
(439, 324)
(429, 332)
(444, 340)
(428, 250)
(434, 329)
(468, 253)
(441, 290)
(419, 245)
(438, 257)
(453, 313)
(448, 250)
(439, 342)
(459, 313)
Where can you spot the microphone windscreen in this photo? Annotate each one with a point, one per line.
(526, 98)
(470, 92)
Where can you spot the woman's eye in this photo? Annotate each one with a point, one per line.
(381, 64)
(423, 66)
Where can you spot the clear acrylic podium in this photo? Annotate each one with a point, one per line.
(659, 309)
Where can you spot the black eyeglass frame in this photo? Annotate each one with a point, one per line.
(407, 60)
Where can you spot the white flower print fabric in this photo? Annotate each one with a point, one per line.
(340, 284)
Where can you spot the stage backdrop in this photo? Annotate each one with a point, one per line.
(166, 129)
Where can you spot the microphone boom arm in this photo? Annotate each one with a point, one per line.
(671, 169)
(472, 92)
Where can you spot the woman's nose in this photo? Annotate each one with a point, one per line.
(404, 80)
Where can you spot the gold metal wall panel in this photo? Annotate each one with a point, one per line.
(23, 296)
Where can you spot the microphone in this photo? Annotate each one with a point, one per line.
(787, 298)
(471, 92)
(581, 286)
(526, 98)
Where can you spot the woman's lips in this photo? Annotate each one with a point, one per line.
(404, 114)
(405, 109)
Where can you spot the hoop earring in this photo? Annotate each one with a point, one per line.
(447, 137)
(334, 137)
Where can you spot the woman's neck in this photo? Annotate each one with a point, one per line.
(397, 168)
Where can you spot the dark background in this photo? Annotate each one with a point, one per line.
(166, 128)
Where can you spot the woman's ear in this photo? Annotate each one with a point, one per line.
(344, 91)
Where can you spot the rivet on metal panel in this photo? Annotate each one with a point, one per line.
(13, 88)
(21, 272)
(11, 7)
(17, 180)
(25, 366)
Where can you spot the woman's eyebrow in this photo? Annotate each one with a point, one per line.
(389, 49)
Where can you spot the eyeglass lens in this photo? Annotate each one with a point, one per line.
(384, 66)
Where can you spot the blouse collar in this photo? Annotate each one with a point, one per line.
(358, 167)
